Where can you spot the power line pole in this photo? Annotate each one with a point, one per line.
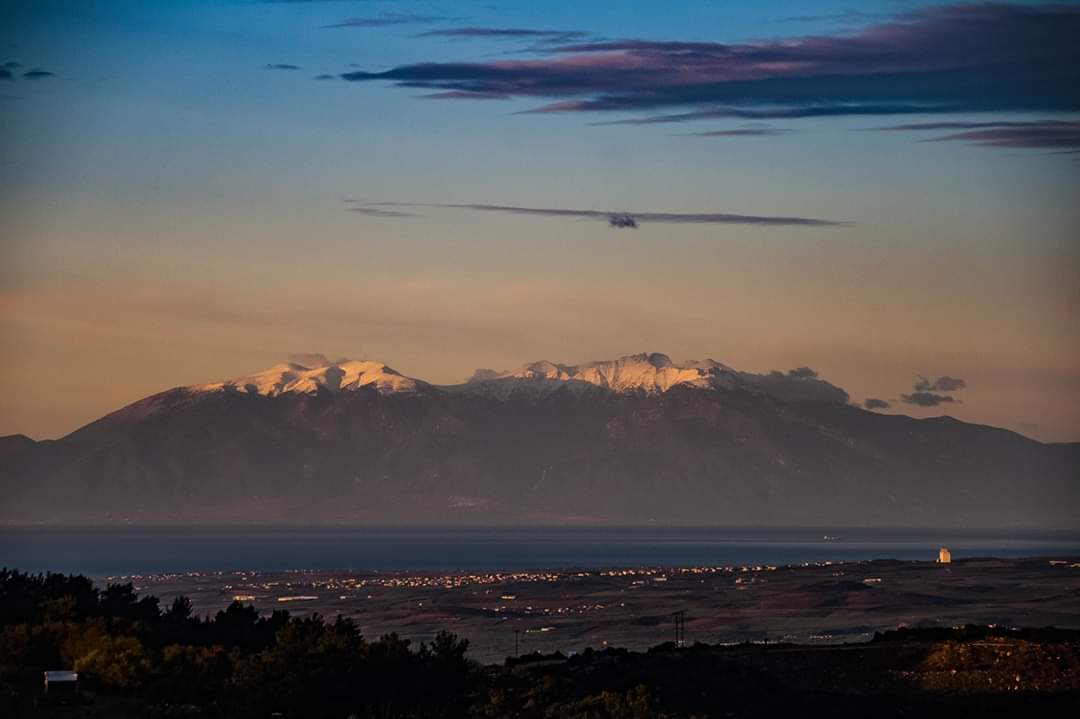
(680, 628)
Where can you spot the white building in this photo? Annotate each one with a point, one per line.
(61, 682)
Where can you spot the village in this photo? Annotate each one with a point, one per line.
(570, 610)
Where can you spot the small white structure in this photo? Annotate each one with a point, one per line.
(61, 682)
(944, 556)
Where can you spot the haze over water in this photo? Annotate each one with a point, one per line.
(123, 551)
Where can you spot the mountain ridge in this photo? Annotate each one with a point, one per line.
(590, 443)
(649, 372)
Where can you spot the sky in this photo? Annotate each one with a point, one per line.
(883, 191)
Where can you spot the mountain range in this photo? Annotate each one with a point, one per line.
(640, 439)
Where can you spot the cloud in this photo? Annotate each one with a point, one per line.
(1051, 138)
(966, 57)
(941, 384)
(325, 77)
(924, 391)
(797, 385)
(928, 399)
(483, 375)
(1040, 134)
(509, 33)
(954, 125)
(637, 217)
(379, 212)
(282, 66)
(393, 18)
(949, 384)
(744, 132)
(875, 403)
(463, 95)
(9, 71)
(768, 113)
(842, 16)
(311, 360)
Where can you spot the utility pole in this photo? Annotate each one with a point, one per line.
(680, 628)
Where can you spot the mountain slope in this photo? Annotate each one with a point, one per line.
(605, 442)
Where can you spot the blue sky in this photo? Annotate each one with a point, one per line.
(175, 210)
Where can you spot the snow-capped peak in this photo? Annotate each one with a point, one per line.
(650, 373)
(342, 376)
(653, 373)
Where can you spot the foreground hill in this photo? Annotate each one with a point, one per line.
(631, 440)
(137, 659)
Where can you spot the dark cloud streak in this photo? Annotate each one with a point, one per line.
(1037, 134)
(391, 19)
(745, 132)
(944, 383)
(377, 212)
(928, 399)
(656, 217)
(971, 57)
(462, 95)
(311, 360)
(508, 33)
(37, 74)
(924, 391)
(777, 113)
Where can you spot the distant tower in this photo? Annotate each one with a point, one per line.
(944, 556)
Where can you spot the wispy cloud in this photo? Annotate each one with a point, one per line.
(379, 212)
(282, 66)
(744, 132)
(606, 215)
(509, 33)
(309, 359)
(765, 113)
(941, 384)
(463, 95)
(394, 18)
(987, 57)
(928, 399)
(849, 16)
(925, 391)
(10, 71)
(1039, 134)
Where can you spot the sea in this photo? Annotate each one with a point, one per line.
(116, 551)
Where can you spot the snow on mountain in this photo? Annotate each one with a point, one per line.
(650, 373)
(344, 376)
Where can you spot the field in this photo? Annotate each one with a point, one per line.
(508, 612)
